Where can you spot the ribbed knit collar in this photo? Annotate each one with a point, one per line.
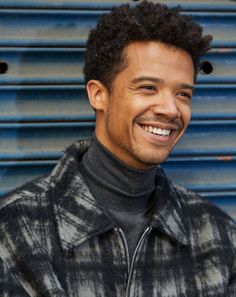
(120, 186)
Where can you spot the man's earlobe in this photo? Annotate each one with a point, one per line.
(97, 94)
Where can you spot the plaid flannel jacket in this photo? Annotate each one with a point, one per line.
(56, 241)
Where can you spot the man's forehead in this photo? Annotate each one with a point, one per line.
(158, 60)
(140, 51)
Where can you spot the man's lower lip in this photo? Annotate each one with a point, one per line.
(159, 137)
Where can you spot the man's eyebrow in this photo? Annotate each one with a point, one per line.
(150, 78)
(187, 86)
(159, 80)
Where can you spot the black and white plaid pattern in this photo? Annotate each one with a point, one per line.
(56, 241)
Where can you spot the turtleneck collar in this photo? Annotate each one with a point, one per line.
(114, 184)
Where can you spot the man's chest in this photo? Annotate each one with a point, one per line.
(101, 267)
(159, 267)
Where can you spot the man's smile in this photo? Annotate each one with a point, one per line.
(158, 135)
(155, 130)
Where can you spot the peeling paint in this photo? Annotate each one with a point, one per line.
(225, 158)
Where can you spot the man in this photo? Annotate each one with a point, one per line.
(107, 222)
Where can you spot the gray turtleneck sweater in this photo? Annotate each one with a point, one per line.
(125, 192)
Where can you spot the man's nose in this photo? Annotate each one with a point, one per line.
(166, 106)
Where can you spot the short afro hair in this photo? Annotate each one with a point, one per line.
(147, 21)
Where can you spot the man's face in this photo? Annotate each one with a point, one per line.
(148, 109)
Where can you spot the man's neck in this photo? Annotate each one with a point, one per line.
(115, 184)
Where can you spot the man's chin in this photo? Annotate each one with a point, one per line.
(150, 160)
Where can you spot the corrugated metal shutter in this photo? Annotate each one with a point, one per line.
(43, 106)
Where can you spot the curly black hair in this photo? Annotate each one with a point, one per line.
(147, 21)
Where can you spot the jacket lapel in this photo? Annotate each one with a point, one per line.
(168, 213)
(78, 217)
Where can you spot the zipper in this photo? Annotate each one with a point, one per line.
(131, 267)
(141, 240)
(123, 239)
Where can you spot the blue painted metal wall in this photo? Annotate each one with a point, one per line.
(43, 105)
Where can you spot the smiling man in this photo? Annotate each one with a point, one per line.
(148, 109)
(107, 222)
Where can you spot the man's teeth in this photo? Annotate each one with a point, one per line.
(158, 131)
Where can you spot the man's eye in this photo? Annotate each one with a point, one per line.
(184, 94)
(148, 88)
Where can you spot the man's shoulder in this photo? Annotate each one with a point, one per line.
(61, 174)
(26, 196)
(199, 208)
(208, 227)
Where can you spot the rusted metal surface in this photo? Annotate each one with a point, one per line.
(47, 140)
(208, 138)
(42, 65)
(205, 176)
(217, 5)
(43, 105)
(63, 28)
(56, 103)
(65, 66)
(40, 141)
(14, 174)
(202, 176)
(214, 102)
(46, 27)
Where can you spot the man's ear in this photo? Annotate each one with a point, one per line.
(97, 94)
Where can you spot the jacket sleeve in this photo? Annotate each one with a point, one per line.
(9, 285)
(232, 282)
(12, 283)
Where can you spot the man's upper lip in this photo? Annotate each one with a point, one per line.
(160, 125)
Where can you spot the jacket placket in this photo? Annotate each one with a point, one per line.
(131, 262)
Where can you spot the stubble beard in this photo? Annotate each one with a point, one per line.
(146, 157)
(149, 157)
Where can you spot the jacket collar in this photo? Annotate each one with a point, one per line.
(79, 217)
(168, 215)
